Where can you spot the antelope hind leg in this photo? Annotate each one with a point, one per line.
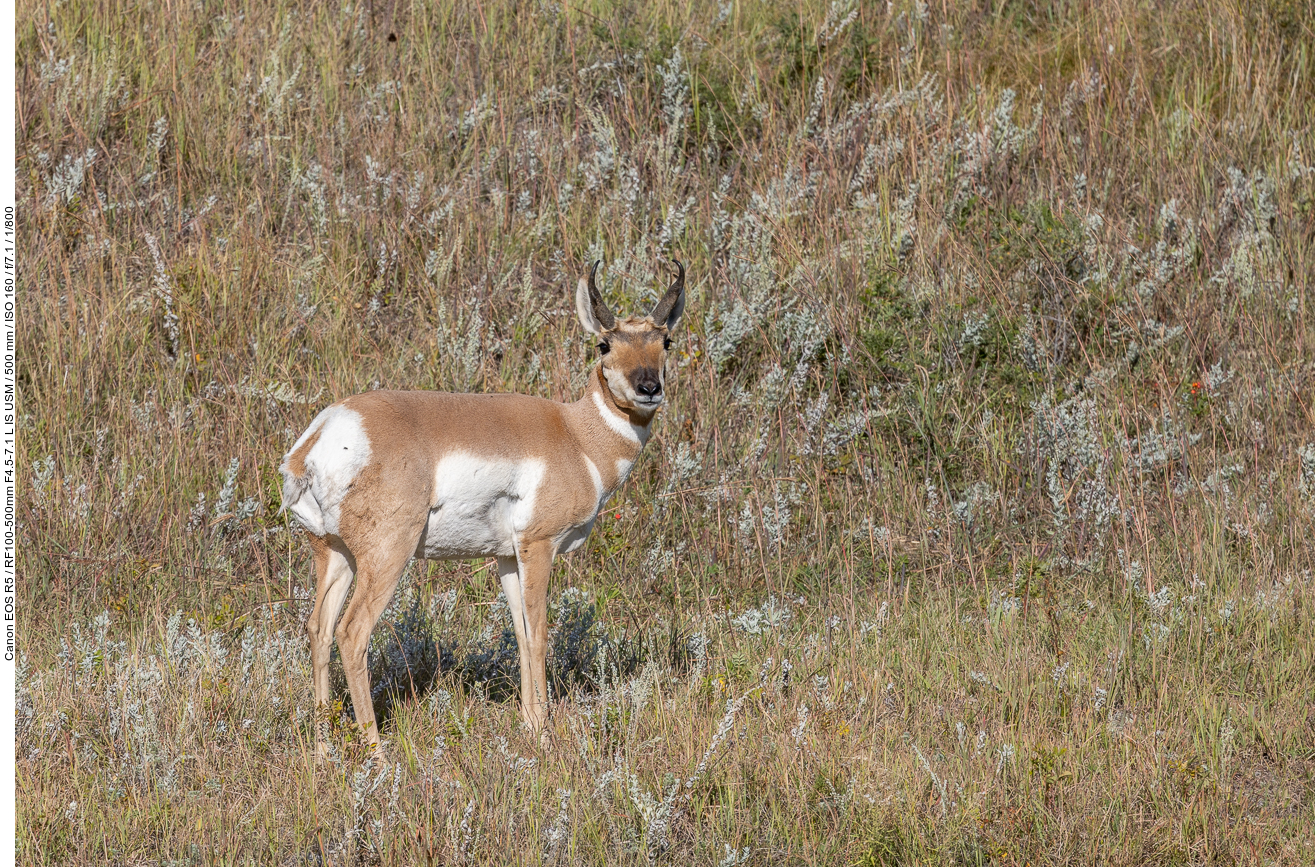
(333, 577)
(377, 575)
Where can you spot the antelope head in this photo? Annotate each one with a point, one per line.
(634, 351)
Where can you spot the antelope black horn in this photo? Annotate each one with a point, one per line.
(601, 313)
(664, 307)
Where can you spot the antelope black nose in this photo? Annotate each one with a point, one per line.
(648, 387)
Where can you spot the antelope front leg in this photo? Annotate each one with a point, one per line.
(535, 561)
(509, 572)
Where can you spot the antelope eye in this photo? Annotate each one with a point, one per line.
(666, 343)
(604, 347)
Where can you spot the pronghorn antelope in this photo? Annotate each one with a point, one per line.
(385, 476)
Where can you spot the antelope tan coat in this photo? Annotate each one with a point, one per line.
(385, 476)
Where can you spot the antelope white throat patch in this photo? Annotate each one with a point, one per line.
(622, 470)
(620, 424)
(595, 478)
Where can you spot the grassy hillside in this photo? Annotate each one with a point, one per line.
(976, 528)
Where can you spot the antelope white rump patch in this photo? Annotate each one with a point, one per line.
(342, 449)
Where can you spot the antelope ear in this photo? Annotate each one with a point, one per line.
(584, 310)
(668, 310)
(590, 307)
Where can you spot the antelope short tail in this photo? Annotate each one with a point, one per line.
(293, 488)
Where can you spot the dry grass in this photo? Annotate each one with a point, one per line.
(975, 531)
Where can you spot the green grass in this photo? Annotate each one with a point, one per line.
(975, 531)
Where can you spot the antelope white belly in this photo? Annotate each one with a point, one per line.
(480, 506)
